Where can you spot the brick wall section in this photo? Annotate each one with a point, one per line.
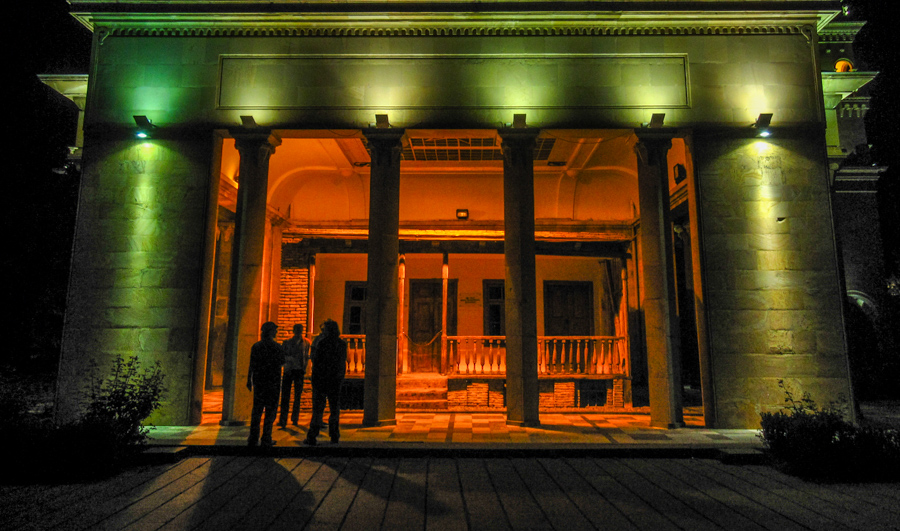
(294, 288)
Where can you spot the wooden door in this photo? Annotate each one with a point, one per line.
(568, 308)
(425, 309)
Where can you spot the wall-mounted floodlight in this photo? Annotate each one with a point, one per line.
(248, 121)
(762, 124)
(519, 121)
(656, 120)
(462, 213)
(144, 126)
(382, 122)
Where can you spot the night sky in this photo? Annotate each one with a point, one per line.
(40, 205)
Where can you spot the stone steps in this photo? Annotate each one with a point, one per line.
(421, 392)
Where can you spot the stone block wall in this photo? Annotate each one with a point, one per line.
(774, 302)
(136, 266)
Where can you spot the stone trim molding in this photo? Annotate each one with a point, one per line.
(446, 31)
(427, 25)
(840, 32)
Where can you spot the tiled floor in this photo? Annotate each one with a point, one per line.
(440, 429)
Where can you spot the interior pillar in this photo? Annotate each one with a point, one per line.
(402, 347)
(445, 292)
(522, 393)
(657, 263)
(311, 298)
(380, 396)
(255, 149)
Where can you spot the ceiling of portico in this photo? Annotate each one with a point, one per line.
(580, 175)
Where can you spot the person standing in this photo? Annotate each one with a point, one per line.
(329, 365)
(264, 379)
(296, 354)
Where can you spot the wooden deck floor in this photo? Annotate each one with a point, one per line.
(321, 492)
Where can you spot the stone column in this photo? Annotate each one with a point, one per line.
(380, 397)
(244, 300)
(522, 394)
(657, 261)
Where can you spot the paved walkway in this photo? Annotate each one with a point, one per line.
(324, 492)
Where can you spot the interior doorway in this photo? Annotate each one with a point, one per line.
(425, 317)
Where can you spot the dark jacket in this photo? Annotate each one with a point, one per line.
(329, 361)
(266, 359)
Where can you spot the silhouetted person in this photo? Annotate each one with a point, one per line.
(329, 364)
(264, 379)
(296, 354)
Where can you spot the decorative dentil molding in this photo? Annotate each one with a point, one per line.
(440, 25)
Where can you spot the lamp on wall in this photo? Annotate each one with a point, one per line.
(382, 122)
(248, 122)
(519, 121)
(462, 214)
(144, 126)
(762, 124)
(656, 120)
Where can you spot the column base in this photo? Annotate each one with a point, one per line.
(523, 423)
(667, 425)
(379, 423)
(232, 423)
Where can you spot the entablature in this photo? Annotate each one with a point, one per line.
(452, 18)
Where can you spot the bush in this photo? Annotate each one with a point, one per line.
(111, 429)
(814, 442)
(108, 433)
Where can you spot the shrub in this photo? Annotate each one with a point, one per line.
(111, 429)
(108, 433)
(806, 440)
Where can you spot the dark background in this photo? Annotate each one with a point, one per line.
(39, 214)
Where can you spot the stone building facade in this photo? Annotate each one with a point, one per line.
(652, 180)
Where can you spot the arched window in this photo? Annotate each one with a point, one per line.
(843, 65)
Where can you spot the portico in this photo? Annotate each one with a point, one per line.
(577, 144)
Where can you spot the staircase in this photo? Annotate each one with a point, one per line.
(421, 391)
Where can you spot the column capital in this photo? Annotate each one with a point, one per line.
(652, 148)
(249, 139)
(383, 144)
(518, 144)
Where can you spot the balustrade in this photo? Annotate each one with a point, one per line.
(486, 355)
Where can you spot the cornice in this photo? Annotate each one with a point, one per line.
(440, 24)
(840, 31)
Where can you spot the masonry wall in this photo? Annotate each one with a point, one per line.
(294, 293)
(773, 292)
(136, 264)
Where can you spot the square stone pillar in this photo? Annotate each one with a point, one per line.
(657, 261)
(380, 396)
(522, 394)
(255, 148)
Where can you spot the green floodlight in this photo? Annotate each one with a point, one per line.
(144, 126)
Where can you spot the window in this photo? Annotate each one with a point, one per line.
(494, 308)
(354, 308)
